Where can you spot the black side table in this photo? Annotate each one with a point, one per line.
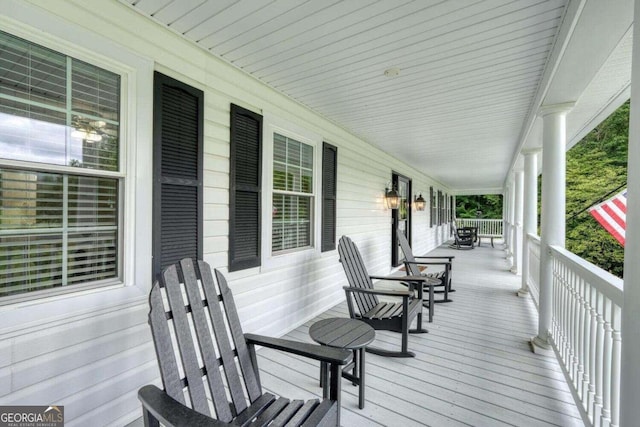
(349, 334)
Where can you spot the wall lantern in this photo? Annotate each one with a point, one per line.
(419, 202)
(391, 198)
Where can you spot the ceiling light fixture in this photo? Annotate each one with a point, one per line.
(392, 72)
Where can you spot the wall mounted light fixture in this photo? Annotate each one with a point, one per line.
(419, 202)
(391, 198)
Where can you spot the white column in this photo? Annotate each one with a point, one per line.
(630, 369)
(552, 221)
(518, 199)
(530, 214)
(512, 197)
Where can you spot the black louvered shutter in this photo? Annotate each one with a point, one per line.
(432, 208)
(329, 178)
(177, 172)
(245, 175)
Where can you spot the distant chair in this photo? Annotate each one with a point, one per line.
(202, 338)
(463, 238)
(412, 265)
(389, 316)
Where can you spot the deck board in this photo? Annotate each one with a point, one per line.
(474, 367)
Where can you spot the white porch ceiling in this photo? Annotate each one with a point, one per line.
(470, 70)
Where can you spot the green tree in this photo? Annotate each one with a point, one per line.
(489, 206)
(596, 166)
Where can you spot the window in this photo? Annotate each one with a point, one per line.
(293, 198)
(60, 175)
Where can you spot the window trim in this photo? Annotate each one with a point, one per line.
(38, 26)
(273, 124)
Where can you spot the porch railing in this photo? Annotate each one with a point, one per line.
(533, 242)
(587, 304)
(486, 227)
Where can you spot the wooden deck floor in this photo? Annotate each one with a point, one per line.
(474, 367)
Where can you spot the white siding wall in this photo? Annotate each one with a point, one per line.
(94, 363)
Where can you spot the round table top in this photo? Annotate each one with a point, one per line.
(342, 332)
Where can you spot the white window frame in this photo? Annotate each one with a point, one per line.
(40, 27)
(271, 125)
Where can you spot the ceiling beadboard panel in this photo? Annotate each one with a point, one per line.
(468, 70)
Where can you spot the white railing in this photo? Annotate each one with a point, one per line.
(585, 332)
(533, 280)
(486, 227)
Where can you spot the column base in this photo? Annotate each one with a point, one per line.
(523, 292)
(540, 346)
(514, 270)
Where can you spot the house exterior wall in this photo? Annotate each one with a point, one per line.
(91, 351)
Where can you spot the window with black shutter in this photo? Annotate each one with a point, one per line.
(245, 175)
(329, 178)
(177, 173)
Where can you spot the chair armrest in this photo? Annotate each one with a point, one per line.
(402, 278)
(170, 412)
(313, 351)
(436, 257)
(428, 262)
(388, 293)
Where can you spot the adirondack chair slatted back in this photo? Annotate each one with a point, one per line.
(357, 275)
(190, 325)
(410, 259)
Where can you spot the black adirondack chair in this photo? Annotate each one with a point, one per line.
(389, 316)
(200, 334)
(412, 265)
(463, 239)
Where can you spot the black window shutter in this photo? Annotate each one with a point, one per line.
(432, 208)
(177, 172)
(329, 180)
(245, 175)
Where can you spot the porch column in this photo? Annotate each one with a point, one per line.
(505, 218)
(530, 214)
(517, 222)
(629, 368)
(554, 144)
(512, 199)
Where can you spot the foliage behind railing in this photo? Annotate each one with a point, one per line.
(486, 227)
(587, 303)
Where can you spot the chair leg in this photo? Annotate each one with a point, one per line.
(149, 420)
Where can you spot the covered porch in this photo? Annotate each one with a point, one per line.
(432, 99)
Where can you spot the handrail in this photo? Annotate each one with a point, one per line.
(586, 332)
(606, 283)
(486, 227)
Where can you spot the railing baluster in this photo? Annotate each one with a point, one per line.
(575, 328)
(586, 349)
(615, 365)
(581, 324)
(594, 348)
(605, 416)
(597, 405)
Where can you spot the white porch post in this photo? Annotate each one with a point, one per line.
(505, 217)
(554, 143)
(530, 214)
(629, 368)
(517, 222)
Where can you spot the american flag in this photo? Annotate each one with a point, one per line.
(612, 215)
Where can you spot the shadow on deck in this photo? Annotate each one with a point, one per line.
(474, 367)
